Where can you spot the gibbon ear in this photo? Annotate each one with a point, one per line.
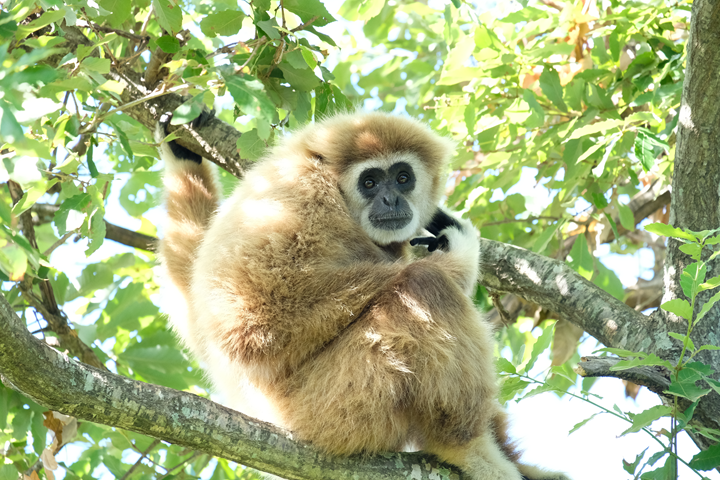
(317, 156)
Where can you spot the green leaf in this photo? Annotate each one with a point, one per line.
(663, 473)
(612, 225)
(685, 417)
(707, 459)
(692, 249)
(308, 56)
(50, 16)
(361, 9)
(504, 365)
(96, 232)
(707, 306)
(510, 387)
(91, 165)
(608, 281)
(598, 127)
(580, 424)
(708, 347)
(627, 219)
(620, 352)
(684, 385)
(599, 200)
(714, 384)
(580, 259)
(711, 283)
(32, 195)
(10, 129)
(631, 467)
(651, 359)
(8, 27)
(307, 9)
(321, 36)
(685, 340)
(168, 44)
(8, 472)
(188, 111)
(304, 80)
(250, 96)
(645, 144)
(72, 213)
(647, 417)
(225, 23)
(540, 345)
(550, 85)
(692, 276)
(679, 307)
(120, 11)
(95, 64)
(168, 14)
(669, 231)
(545, 237)
(251, 146)
(13, 261)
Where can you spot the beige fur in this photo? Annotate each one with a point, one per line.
(306, 321)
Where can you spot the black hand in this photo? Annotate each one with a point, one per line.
(433, 243)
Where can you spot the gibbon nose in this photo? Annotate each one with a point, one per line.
(391, 200)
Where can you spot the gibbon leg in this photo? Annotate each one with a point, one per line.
(352, 397)
(453, 394)
(416, 366)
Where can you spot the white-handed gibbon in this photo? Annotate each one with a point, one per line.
(301, 297)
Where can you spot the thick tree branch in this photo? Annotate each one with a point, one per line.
(61, 384)
(656, 379)
(555, 286)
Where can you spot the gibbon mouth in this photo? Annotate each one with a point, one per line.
(391, 222)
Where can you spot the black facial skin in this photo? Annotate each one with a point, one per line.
(385, 191)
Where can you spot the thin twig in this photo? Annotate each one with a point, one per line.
(305, 25)
(122, 33)
(59, 242)
(139, 460)
(184, 462)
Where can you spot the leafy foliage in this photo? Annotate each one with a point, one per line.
(562, 113)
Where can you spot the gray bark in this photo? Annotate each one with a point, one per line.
(695, 199)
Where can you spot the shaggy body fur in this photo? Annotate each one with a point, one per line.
(305, 321)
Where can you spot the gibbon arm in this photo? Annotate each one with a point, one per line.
(298, 320)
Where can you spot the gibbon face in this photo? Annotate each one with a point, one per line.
(389, 169)
(384, 196)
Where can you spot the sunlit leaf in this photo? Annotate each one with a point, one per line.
(646, 417)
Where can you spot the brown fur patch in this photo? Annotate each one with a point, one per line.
(357, 347)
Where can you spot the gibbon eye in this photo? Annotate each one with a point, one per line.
(403, 178)
(369, 183)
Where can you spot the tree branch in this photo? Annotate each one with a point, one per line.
(555, 286)
(216, 140)
(656, 379)
(48, 306)
(45, 213)
(61, 384)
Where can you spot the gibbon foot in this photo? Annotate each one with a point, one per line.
(531, 472)
(480, 459)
